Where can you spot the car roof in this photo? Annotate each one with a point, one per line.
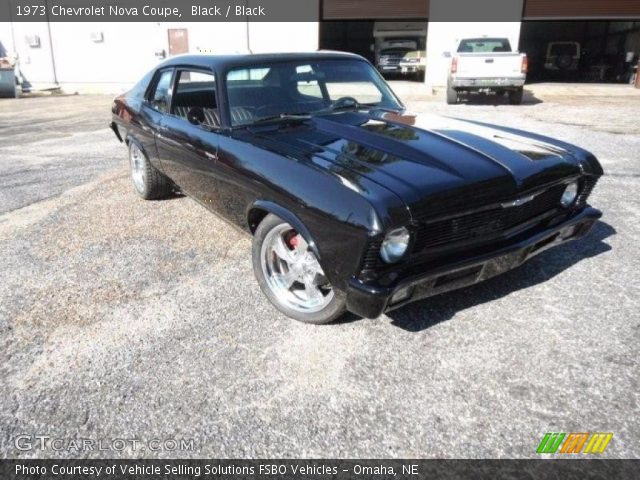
(222, 62)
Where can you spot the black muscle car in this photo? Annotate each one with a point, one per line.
(353, 203)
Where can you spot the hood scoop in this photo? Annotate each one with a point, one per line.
(531, 150)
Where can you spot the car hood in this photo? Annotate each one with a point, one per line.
(434, 164)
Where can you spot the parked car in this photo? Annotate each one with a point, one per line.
(563, 57)
(486, 65)
(401, 57)
(400, 48)
(351, 203)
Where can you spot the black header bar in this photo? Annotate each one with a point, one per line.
(159, 10)
(318, 469)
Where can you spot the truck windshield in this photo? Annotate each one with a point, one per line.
(304, 88)
(484, 45)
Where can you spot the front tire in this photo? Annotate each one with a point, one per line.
(148, 182)
(290, 275)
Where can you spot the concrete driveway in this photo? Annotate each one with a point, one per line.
(126, 319)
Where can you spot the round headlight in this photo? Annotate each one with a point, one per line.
(570, 194)
(395, 245)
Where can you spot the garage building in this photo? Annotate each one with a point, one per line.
(602, 37)
(566, 40)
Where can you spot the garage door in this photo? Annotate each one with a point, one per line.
(568, 9)
(374, 9)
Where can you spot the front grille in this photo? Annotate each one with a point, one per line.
(478, 227)
(485, 224)
(586, 188)
(389, 60)
(371, 259)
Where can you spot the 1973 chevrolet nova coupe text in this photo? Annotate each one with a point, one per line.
(353, 203)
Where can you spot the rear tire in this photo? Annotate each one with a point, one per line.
(452, 95)
(288, 275)
(148, 182)
(515, 96)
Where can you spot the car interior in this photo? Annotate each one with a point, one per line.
(196, 94)
(191, 93)
(259, 93)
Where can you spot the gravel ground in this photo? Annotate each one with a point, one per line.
(126, 319)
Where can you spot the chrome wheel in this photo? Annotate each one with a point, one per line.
(138, 171)
(292, 271)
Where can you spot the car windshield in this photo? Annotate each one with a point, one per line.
(484, 45)
(281, 89)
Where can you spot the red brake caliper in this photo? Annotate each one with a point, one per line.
(293, 241)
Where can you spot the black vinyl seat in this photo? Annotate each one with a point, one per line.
(210, 114)
(240, 115)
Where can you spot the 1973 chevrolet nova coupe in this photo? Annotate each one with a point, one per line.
(353, 203)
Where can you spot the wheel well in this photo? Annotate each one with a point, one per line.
(256, 215)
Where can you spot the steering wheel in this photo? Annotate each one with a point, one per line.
(344, 102)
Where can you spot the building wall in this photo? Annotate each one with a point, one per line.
(127, 50)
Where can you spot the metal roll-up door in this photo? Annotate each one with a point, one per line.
(577, 9)
(374, 9)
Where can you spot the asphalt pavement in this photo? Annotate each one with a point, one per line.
(134, 320)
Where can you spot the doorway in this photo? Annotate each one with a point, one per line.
(178, 41)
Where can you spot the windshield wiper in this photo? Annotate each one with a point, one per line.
(355, 105)
(281, 117)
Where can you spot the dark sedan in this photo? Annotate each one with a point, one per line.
(353, 203)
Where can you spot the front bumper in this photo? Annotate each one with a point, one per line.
(371, 301)
(480, 83)
(403, 69)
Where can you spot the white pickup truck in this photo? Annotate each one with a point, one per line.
(486, 65)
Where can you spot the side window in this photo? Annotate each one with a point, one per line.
(196, 90)
(161, 98)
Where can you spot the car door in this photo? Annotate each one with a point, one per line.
(154, 106)
(188, 151)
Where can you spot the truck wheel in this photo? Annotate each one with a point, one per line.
(452, 95)
(290, 275)
(148, 182)
(515, 96)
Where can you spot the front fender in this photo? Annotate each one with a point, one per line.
(288, 217)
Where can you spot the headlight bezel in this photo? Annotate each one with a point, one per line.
(570, 195)
(400, 238)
